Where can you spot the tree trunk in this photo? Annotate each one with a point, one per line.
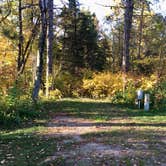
(47, 67)
(129, 5)
(42, 41)
(73, 47)
(24, 48)
(50, 34)
(49, 45)
(140, 31)
(113, 54)
(20, 44)
(120, 48)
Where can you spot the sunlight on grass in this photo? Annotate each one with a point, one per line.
(150, 119)
(103, 122)
(23, 131)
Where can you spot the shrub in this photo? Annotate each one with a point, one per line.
(109, 85)
(102, 85)
(15, 107)
(55, 94)
(159, 95)
(126, 97)
(68, 84)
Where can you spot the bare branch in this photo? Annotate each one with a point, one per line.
(26, 52)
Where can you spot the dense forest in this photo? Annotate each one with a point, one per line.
(49, 52)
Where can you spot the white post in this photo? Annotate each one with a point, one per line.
(139, 97)
(146, 102)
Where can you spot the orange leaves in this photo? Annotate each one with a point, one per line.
(7, 63)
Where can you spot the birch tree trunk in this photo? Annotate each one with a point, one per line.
(42, 42)
(50, 34)
(49, 45)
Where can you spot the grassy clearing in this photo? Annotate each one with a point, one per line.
(103, 111)
(143, 132)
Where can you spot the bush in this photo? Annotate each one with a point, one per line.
(102, 85)
(159, 95)
(68, 84)
(24, 110)
(55, 94)
(126, 97)
(14, 107)
(109, 85)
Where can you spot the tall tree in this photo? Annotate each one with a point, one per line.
(140, 29)
(73, 9)
(20, 44)
(129, 5)
(82, 45)
(42, 43)
(50, 33)
(49, 44)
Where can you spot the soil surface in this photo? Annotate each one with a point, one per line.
(76, 148)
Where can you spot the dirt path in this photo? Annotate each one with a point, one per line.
(77, 150)
(67, 125)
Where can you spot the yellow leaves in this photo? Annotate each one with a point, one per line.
(148, 82)
(7, 63)
(150, 13)
(7, 52)
(108, 84)
(103, 84)
(55, 94)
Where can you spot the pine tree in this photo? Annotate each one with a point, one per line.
(129, 6)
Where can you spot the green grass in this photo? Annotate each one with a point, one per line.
(22, 145)
(25, 149)
(103, 111)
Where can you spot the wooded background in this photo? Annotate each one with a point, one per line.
(54, 52)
